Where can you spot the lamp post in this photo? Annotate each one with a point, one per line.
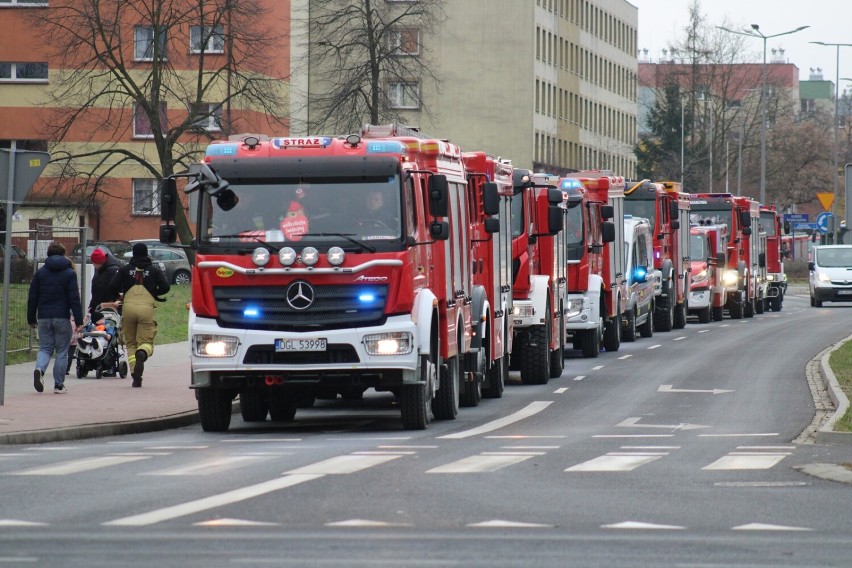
(835, 221)
(755, 32)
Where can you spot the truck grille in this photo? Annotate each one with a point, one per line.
(332, 307)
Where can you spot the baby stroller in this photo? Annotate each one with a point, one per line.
(96, 352)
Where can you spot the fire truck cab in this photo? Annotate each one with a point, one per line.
(707, 252)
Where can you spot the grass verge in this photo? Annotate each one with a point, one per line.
(840, 362)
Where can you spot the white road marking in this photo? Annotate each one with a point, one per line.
(79, 466)
(669, 388)
(562, 390)
(616, 462)
(521, 437)
(681, 338)
(211, 502)
(767, 527)
(384, 453)
(207, 467)
(259, 440)
(654, 346)
(17, 523)
(530, 447)
(530, 410)
(579, 377)
(597, 367)
(341, 465)
(650, 447)
(233, 523)
(177, 447)
(633, 436)
(643, 526)
(497, 523)
(743, 435)
(703, 330)
(514, 453)
(365, 523)
(410, 447)
(623, 357)
(634, 423)
(480, 463)
(746, 461)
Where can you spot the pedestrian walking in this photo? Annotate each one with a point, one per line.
(106, 266)
(54, 295)
(142, 284)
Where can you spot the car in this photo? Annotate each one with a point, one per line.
(115, 248)
(642, 280)
(830, 274)
(21, 266)
(172, 261)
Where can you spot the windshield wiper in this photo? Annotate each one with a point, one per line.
(347, 236)
(245, 236)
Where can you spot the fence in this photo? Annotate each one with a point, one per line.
(28, 251)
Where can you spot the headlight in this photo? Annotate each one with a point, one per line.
(574, 307)
(730, 278)
(770, 277)
(396, 343)
(286, 256)
(523, 310)
(335, 256)
(214, 345)
(823, 277)
(310, 256)
(700, 276)
(260, 256)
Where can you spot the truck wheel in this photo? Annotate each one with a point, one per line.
(414, 400)
(445, 405)
(680, 310)
(629, 325)
(760, 306)
(557, 356)
(718, 313)
(495, 378)
(748, 308)
(704, 315)
(214, 408)
(535, 357)
(736, 305)
(664, 315)
(647, 328)
(591, 342)
(472, 392)
(253, 406)
(282, 408)
(612, 333)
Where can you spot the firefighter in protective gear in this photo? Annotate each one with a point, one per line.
(142, 283)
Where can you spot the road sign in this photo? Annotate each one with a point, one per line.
(797, 217)
(826, 199)
(822, 221)
(27, 168)
(805, 227)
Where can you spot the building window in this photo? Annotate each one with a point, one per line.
(208, 117)
(808, 105)
(150, 40)
(404, 95)
(142, 122)
(20, 72)
(209, 39)
(404, 42)
(146, 198)
(28, 145)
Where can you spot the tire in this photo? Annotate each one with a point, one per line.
(281, 407)
(590, 342)
(647, 328)
(760, 306)
(122, 369)
(680, 312)
(471, 393)
(253, 406)
(629, 325)
(99, 373)
(414, 400)
(612, 333)
(817, 303)
(736, 308)
(181, 277)
(535, 357)
(557, 356)
(748, 308)
(664, 314)
(718, 313)
(705, 315)
(445, 405)
(495, 378)
(214, 408)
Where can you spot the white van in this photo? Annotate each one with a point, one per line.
(830, 278)
(641, 278)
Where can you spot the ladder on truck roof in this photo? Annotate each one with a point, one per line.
(395, 129)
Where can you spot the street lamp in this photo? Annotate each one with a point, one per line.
(835, 222)
(755, 32)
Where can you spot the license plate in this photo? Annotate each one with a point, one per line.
(303, 344)
(844, 292)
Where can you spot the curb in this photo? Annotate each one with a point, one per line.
(826, 433)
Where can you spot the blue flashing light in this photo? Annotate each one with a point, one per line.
(251, 312)
(387, 147)
(640, 274)
(222, 150)
(571, 184)
(366, 297)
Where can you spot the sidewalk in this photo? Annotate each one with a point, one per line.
(98, 407)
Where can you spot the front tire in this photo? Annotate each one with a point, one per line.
(705, 315)
(535, 357)
(612, 333)
(281, 408)
(647, 328)
(414, 400)
(664, 315)
(253, 406)
(472, 393)
(496, 378)
(214, 408)
(590, 342)
(629, 325)
(445, 405)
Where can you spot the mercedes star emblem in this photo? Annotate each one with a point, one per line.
(300, 295)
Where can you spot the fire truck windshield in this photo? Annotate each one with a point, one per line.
(697, 247)
(323, 209)
(767, 224)
(709, 214)
(641, 208)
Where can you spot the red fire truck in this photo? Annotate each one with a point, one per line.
(538, 276)
(302, 287)
(667, 207)
(490, 186)
(595, 253)
(739, 214)
(708, 247)
(770, 223)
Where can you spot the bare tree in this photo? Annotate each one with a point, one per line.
(367, 59)
(179, 70)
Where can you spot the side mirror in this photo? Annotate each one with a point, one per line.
(492, 225)
(168, 199)
(490, 199)
(607, 212)
(554, 196)
(811, 266)
(747, 231)
(439, 230)
(673, 212)
(720, 259)
(608, 232)
(227, 200)
(439, 195)
(168, 234)
(745, 219)
(554, 219)
(675, 224)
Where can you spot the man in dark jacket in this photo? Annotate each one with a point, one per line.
(54, 296)
(142, 283)
(106, 266)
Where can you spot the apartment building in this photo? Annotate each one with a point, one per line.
(116, 197)
(549, 84)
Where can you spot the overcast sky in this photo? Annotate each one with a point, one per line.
(661, 23)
